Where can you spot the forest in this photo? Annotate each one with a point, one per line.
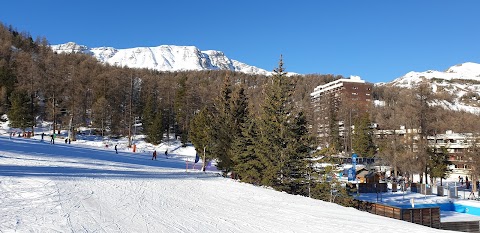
(259, 128)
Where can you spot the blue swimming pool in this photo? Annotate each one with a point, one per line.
(448, 207)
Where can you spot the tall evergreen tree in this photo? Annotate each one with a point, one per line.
(148, 115)
(438, 164)
(201, 134)
(278, 135)
(223, 119)
(362, 139)
(298, 152)
(7, 85)
(19, 114)
(156, 129)
(181, 109)
(247, 164)
(244, 136)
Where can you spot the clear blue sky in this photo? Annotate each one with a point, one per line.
(378, 40)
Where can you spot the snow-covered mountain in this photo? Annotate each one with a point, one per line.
(465, 72)
(462, 82)
(162, 58)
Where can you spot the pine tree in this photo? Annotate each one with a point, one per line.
(224, 130)
(156, 129)
(20, 114)
(298, 152)
(148, 115)
(201, 134)
(248, 166)
(280, 136)
(181, 109)
(362, 139)
(438, 164)
(272, 127)
(245, 162)
(7, 85)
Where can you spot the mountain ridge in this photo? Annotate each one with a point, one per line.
(162, 58)
(461, 82)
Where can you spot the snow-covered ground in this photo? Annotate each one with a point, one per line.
(86, 187)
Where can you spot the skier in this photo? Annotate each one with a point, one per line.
(52, 139)
(197, 158)
(154, 155)
(116, 151)
(166, 153)
(43, 135)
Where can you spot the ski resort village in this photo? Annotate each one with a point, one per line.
(173, 138)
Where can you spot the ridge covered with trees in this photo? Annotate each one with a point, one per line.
(258, 128)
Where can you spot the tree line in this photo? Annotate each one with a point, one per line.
(259, 128)
(254, 126)
(40, 85)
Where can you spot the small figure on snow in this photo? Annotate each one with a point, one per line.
(166, 153)
(154, 156)
(52, 139)
(43, 135)
(116, 151)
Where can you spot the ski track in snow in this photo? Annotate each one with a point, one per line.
(70, 188)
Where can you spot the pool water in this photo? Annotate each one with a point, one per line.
(448, 207)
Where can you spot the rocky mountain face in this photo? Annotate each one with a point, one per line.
(162, 58)
(460, 82)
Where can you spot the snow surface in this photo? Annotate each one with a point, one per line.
(86, 187)
(162, 58)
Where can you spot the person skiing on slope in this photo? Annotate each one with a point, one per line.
(116, 151)
(166, 153)
(154, 155)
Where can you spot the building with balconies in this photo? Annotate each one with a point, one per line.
(336, 102)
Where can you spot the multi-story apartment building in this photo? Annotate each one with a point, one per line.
(335, 102)
(455, 144)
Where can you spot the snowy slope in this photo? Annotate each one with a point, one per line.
(77, 188)
(460, 81)
(466, 71)
(162, 58)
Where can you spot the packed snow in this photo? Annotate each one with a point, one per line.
(87, 187)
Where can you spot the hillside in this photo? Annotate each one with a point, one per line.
(460, 82)
(162, 58)
(80, 188)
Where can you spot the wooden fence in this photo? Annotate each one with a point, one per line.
(424, 216)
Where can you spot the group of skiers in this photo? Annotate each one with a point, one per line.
(154, 156)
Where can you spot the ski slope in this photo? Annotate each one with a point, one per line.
(80, 188)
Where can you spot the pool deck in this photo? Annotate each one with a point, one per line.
(405, 198)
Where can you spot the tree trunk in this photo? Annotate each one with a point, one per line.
(204, 159)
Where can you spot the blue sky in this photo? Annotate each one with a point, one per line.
(378, 40)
